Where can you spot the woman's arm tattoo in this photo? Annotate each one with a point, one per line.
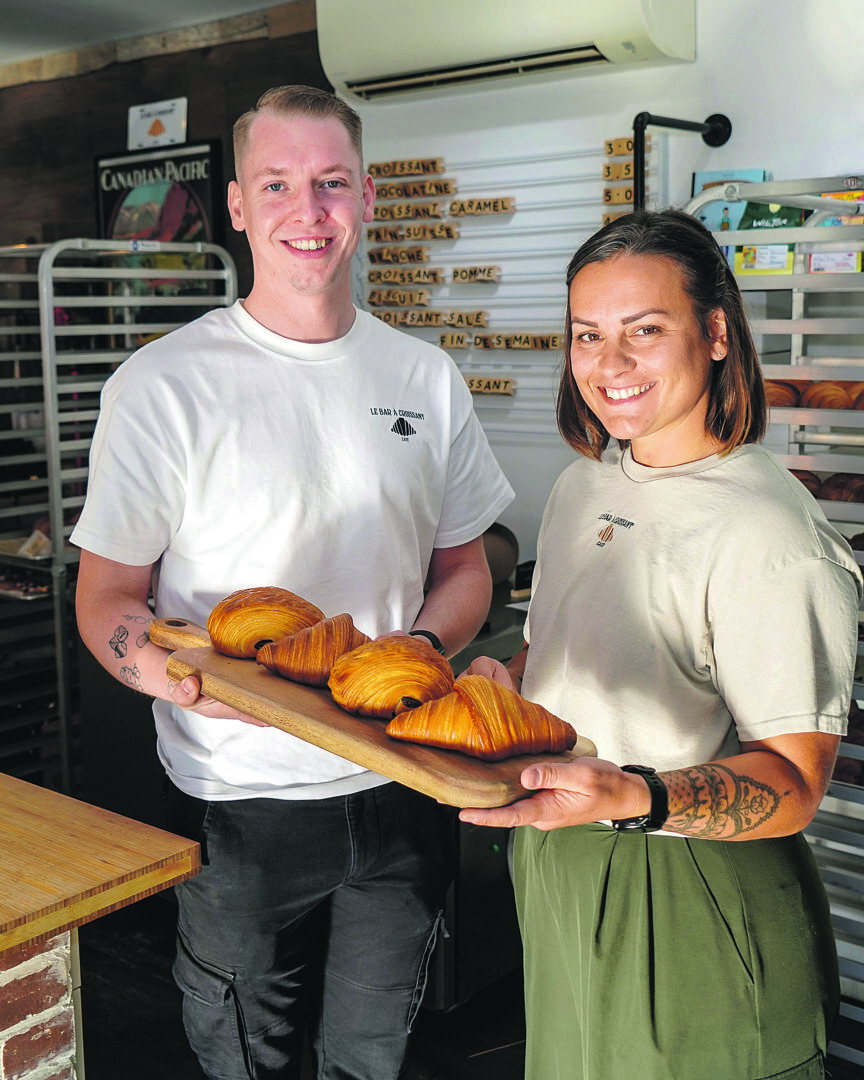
(712, 802)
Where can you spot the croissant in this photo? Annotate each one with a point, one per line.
(244, 621)
(843, 487)
(485, 719)
(781, 392)
(307, 656)
(826, 395)
(373, 679)
(810, 480)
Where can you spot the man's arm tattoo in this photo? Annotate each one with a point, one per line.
(718, 803)
(131, 675)
(119, 641)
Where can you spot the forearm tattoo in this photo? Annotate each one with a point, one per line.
(119, 643)
(131, 675)
(712, 802)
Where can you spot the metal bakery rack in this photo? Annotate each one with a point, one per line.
(70, 313)
(807, 316)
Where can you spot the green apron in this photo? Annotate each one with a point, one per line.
(653, 957)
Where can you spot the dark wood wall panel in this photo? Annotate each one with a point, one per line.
(52, 132)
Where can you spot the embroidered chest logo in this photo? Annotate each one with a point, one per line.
(606, 534)
(402, 422)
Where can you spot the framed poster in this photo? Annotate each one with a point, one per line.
(165, 195)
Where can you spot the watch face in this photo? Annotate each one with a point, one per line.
(631, 824)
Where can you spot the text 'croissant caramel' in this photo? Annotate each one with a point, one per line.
(485, 719)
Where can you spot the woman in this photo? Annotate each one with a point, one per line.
(693, 613)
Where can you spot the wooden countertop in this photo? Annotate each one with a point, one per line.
(64, 862)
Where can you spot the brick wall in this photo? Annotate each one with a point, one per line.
(37, 1021)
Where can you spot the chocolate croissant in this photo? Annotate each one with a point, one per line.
(308, 656)
(373, 679)
(485, 719)
(247, 619)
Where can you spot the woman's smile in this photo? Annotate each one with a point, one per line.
(640, 359)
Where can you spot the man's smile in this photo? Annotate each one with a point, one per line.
(309, 245)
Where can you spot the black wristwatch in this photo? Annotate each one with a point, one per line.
(433, 639)
(656, 817)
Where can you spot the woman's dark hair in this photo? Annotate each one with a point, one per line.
(737, 411)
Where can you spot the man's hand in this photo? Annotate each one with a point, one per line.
(492, 669)
(187, 694)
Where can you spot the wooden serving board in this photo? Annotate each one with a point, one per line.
(311, 714)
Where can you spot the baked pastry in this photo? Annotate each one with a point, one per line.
(486, 720)
(308, 656)
(247, 619)
(843, 487)
(374, 679)
(779, 392)
(826, 395)
(810, 480)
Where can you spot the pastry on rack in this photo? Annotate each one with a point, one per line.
(308, 656)
(826, 395)
(486, 720)
(783, 392)
(374, 679)
(247, 619)
(843, 487)
(810, 480)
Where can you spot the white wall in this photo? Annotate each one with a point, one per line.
(788, 73)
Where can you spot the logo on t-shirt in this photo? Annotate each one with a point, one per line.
(606, 534)
(404, 424)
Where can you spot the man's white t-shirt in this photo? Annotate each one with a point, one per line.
(234, 457)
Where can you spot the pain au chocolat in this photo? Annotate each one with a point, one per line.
(249, 618)
(308, 656)
(374, 679)
(485, 719)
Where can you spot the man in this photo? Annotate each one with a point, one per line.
(291, 440)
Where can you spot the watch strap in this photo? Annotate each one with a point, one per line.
(656, 817)
(433, 639)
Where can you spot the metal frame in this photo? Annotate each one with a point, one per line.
(113, 295)
(820, 440)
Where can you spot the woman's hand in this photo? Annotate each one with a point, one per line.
(187, 694)
(570, 793)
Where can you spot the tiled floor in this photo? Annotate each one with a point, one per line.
(132, 1027)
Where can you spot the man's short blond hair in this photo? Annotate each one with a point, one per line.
(303, 101)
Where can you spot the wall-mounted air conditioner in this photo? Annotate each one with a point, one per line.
(371, 48)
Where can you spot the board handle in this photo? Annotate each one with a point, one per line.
(178, 634)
